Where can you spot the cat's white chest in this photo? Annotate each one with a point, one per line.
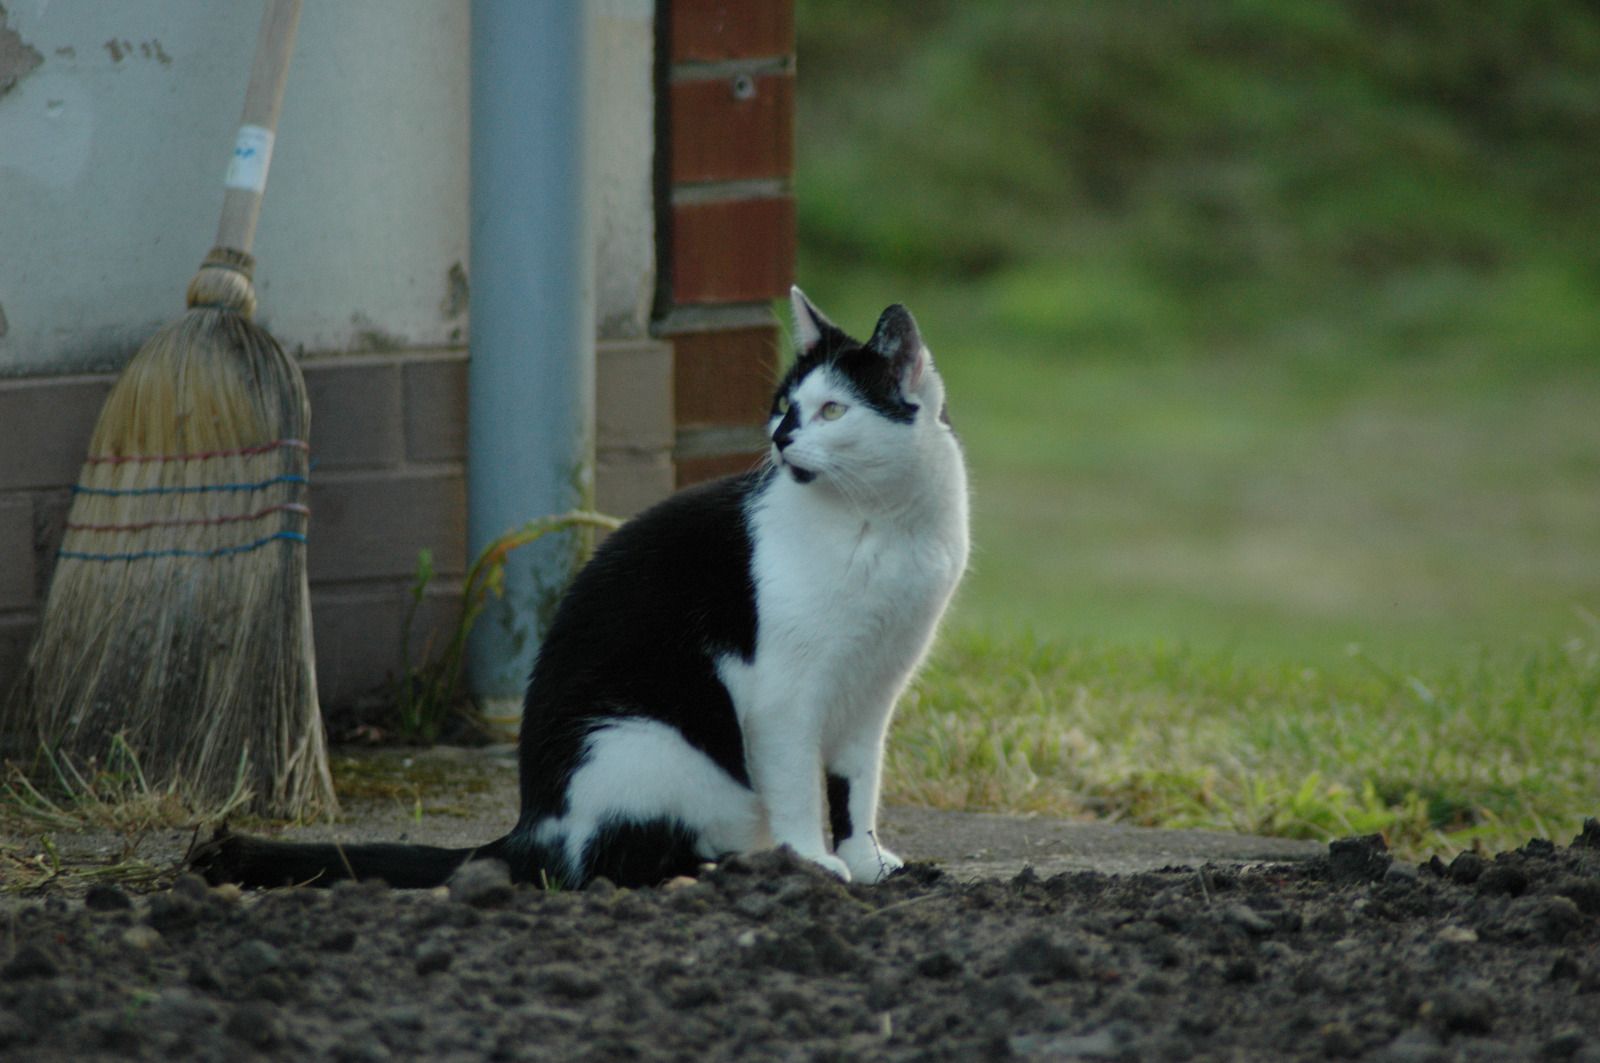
(846, 604)
(842, 572)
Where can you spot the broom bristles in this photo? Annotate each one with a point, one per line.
(179, 614)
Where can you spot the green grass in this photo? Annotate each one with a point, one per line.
(1277, 509)
(1491, 753)
(1273, 335)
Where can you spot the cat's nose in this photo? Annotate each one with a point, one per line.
(783, 435)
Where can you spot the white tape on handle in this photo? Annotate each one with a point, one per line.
(252, 154)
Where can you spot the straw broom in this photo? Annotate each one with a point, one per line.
(178, 621)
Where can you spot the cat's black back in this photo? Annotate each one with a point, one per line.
(638, 634)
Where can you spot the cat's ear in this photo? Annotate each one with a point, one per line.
(811, 326)
(897, 339)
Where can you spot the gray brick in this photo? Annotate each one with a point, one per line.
(436, 409)
(16, 635)
(50, 511)
(626, 483)
(45, 425)
(371, 527)
(355, 413)
(633, 396)
(358, 638)
(17, 584)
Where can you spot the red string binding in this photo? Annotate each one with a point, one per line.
(243, 452)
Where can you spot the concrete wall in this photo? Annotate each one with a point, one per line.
(116, 123)
(633, 374)
(112, 153)
(622, 94)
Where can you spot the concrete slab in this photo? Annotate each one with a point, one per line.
(459, 797)
(974, 845)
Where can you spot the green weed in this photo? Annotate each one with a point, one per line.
(428, 691)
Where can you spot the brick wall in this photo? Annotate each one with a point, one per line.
(47, 423)
(728, 231)
(388, 480)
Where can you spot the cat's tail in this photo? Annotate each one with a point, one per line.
(264, 862)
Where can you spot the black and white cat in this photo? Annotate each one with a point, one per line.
(720, 676)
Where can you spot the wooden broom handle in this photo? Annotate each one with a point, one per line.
(263, 100)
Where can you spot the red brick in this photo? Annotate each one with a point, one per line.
(725, 377)
(717, 136)
(695, 470)
(732, 251)
(709, 30)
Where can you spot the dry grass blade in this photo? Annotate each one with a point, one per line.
(114, 799)
(25, 873)
(113, 796)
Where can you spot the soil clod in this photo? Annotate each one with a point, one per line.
(481, 884)
(768, 957)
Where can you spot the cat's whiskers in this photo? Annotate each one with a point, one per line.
(855, 488)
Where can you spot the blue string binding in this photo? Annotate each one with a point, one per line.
(291, 478)
(221, 551)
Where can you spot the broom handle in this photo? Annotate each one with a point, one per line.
(263, 100)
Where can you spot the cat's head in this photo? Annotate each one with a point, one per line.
(861, 416)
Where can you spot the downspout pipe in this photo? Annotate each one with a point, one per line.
(530, 377)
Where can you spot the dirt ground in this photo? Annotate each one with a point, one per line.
(1011, 938)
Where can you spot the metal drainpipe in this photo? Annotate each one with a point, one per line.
(530, 378)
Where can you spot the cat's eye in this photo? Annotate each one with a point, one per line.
(831, 411)
(781, 407)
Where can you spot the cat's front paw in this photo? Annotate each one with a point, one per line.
(867, 860)
(821, 857)
(832, 864)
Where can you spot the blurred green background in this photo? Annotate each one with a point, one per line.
(1272, 329)
(1272, 325)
